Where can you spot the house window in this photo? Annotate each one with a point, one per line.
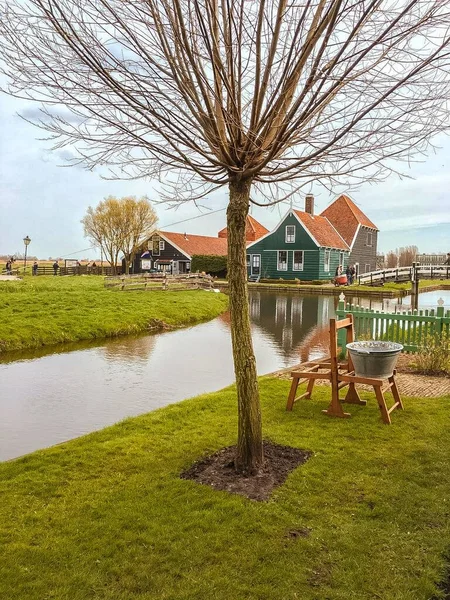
(367, 268)
(290, 234)
(248, 260)
(162, 245)
(155, 245)
(282, 260)
(326, 262)
(298, 260)
(341, 258)
(369, 238)
(256, 264)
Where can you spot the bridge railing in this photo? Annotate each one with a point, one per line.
(411, 328)
(405, 274)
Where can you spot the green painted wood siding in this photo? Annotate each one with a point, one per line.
(313, 256)
(335, 261)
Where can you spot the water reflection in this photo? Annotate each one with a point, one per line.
(55, 394)
(138, 348)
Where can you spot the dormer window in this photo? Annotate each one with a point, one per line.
(290, 234)
(369, 238)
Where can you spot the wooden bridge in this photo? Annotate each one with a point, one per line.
(399, 274)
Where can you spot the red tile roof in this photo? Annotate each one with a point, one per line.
(346, 216)
(197, 244)
(322, 230)
(253, 231)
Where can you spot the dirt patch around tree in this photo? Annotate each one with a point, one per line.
(218, 471)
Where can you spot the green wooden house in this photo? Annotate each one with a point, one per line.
(302, 246)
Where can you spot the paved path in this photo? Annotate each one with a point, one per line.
(409, 384)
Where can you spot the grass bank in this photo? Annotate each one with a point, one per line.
(107, 517)
(41, 311)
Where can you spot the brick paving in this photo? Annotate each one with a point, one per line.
(409, 384)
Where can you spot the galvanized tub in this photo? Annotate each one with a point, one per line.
(374, 358)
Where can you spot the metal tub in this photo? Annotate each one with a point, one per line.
(374, 358)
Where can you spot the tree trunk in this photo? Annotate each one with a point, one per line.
(249, 455)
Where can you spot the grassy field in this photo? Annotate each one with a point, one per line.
(40, 311)
(107, 517)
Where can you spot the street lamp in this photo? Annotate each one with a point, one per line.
(26, 241)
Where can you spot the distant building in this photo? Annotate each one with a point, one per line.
(358, 231)
(302, 246)
(253, 230)
(173, 252)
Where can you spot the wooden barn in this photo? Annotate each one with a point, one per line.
(302, 246)
(358, 231)
(173, 252)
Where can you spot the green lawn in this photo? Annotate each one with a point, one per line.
(106, 516)
(45, 310)
(406, 285)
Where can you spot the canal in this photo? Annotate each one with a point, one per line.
(53, 395)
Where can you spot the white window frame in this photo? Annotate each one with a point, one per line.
(249, 263)
(302, 261)
(327, 261)
(289, 238)
(258, 266)
(367, 270)
(278, 261)
(369, 241)
(162, 245)
(342, 258)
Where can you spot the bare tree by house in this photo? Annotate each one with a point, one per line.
(138, 220)
(116, 225)
(262, 97)
(407, 255)
(391, 260)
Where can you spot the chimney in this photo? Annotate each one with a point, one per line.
(309, 204)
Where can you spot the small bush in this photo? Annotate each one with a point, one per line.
(433, 357)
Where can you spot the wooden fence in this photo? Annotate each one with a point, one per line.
(405, 274)
(160, 281)
(411, 328)
(81, 270)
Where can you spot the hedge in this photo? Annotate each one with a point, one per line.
(208, 264)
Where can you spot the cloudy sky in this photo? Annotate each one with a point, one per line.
(44, 200)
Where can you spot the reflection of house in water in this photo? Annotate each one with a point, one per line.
(289, 319)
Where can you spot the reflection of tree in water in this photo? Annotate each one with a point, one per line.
(315, 344)
(130, 348)
(292, 321)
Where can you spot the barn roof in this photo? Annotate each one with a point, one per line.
(321, 230)
(196, 244)
(253, 230)
(347, 217)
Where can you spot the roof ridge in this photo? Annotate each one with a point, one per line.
(347, 198)
(250, 219)
(348, 246)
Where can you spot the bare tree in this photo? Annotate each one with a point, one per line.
(407, 255)
(117, 225)
(138, 219)
(391, 259)
(262, 97)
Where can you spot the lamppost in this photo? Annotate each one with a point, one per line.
(26, 241)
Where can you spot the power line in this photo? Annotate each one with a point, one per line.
(164, 226)
(192, 218)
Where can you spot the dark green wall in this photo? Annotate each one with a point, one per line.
(313, 264)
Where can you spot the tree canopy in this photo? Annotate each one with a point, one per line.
(117, 225)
